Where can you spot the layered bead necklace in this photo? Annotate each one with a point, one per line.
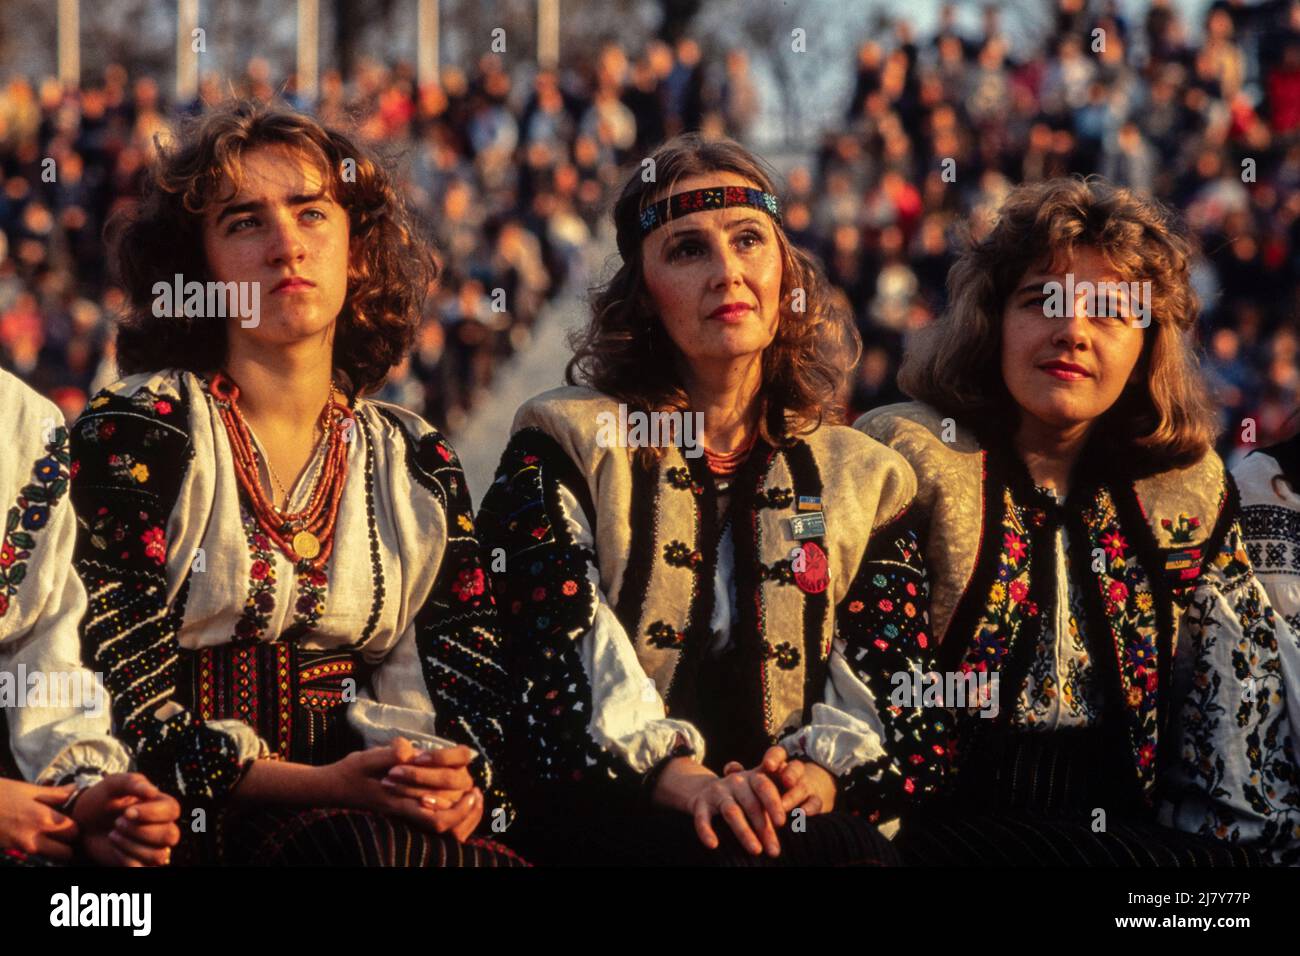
(305, 537)
(724, 465)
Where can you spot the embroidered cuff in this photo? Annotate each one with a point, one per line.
(651, 778)
(83, 778)
(836, 740)
(248, 745)
(199, 760)
(643, 749)
(82, 759)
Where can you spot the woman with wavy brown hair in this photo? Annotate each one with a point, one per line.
(285, 592)
(706, 582)
(1086, 555)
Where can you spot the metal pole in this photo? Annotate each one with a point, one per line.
(69, 43)
(548, 34)
(426, 31)
(187, 57)
(308, 49)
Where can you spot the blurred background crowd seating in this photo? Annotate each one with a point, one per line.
(512, 168)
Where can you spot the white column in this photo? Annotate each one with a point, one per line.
(308, 49)
(548, 34)
(69, 43)
(426, 32)
(187, 58)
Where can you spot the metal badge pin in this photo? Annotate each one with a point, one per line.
(811, 525)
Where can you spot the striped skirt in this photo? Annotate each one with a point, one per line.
(1064, 798)
(572, 825)
(336, 836)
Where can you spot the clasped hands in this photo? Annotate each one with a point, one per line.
(431, 788)
(123, 820)
(753, 802)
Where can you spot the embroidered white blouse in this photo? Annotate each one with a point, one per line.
(56, 710)
(1270, 522)
(224, 579)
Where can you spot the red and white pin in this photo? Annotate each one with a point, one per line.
(809, 566)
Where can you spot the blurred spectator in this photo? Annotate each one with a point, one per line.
(739, 96)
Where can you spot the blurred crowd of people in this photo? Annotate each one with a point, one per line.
(512, 172)
(509, 178)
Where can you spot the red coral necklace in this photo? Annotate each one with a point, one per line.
(728, 463)
(305, 536)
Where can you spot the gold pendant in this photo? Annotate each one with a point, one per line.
(306, 545)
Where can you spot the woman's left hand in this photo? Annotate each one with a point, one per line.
(126, 821)
(440, 781)
(470, 811)
(804, 784)
(441, 776)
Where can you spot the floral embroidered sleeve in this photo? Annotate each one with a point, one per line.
(1237, 679)
(585, 709)
(64, 737)
(888, 750)
(129, 456)
(455, 641)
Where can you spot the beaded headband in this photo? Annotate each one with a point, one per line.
(704, 200)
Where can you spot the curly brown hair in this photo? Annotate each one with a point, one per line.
(1166, 418)
(805, 369)
(390, 265)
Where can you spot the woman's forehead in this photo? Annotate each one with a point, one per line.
(1058, 262)
(272, 172)
(710, 220)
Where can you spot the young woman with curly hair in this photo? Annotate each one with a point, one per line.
(1085, 553)
(285, 592)
(702, 624)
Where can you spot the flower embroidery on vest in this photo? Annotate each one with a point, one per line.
(782, 571)
(1181, 530)
(680, 478)
(785, 654)
(663, 634)
(775, 498)
(470, 583)
(1114, 545)
(1007, 605)
(1131, 618)
(122, 467)
(1014, 547)
(155, 545)
(680, 556)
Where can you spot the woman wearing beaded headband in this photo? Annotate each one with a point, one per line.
(702, 626)
(285, 591)
(1086, 556)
